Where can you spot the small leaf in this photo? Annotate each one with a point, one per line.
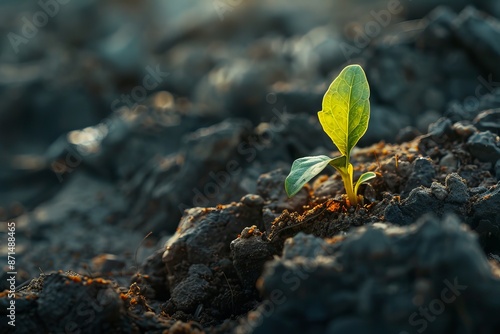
(346, 109)
(364, 178)
(303, 170)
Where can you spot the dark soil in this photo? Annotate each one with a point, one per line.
(169, 214)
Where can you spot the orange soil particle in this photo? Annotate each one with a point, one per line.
(74, 278)
(333, 207)
(102, 281)
(98, 280)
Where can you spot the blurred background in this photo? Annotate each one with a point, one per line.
(121, 113)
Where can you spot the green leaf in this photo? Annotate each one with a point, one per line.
(364, 178)
(346, 109)
(303, 170)
(339, 162)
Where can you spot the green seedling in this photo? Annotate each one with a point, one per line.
(344, 118)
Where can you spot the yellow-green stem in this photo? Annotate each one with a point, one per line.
(347, 178)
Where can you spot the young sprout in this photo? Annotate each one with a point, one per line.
(344, 118)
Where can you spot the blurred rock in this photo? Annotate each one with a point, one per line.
(473, 105)
(478, 32)
(488, 120)
(449, 161)
(83, 205)
(438, 34)
(485, 219)
(206, 166)
(238, 87)
(484, 146)
(406, 134)
(385, 124)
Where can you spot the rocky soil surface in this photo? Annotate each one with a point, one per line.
(165, 212)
